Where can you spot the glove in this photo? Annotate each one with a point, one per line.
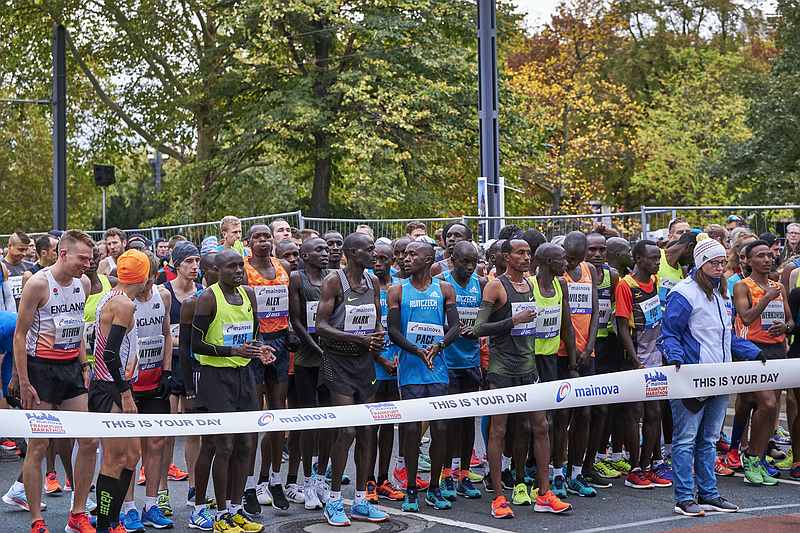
(762, 357)
(165, 385)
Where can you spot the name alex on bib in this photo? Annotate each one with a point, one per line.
(272, 301)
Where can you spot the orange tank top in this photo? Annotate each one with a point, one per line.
(580, 307)
(272, 297)
(757, 331)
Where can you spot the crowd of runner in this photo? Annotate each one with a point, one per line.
(281, 318)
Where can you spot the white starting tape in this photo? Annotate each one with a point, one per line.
(691, 381)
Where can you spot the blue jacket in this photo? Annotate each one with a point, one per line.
(698, 330)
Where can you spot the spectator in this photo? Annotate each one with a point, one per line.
(792, 246)
(416, 229)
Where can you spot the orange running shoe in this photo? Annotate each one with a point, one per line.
(51, 484)
(79, 523)
(733, 460)
(372, 492)
(721, 470)
(39, 527)
(401, 476)
(387, 491)
(119, 528)
(501, 508)
(9, 446)
(549, 503)
(475, 461)
(142, 480)
(176, 474)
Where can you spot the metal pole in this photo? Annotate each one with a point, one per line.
(157, 165)
(59, 127)
(104, 207)
(643, 218)
(488, 109)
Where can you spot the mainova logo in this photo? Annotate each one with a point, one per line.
(563, 391)
(266, 419)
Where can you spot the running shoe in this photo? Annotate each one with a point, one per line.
(467, 489)
(279, 500)
(80, 523)
(752, 470)
(190, 497)
(507, 479)
(410, 502)
(372, 492)
(766, 476)
(530, 474)
(245, 524)
(718, 504)
(176, 474)
(91, 505)
(401, 476)
(435, 499)
(657, 481)
(67, 486)
(132, 521)
(794, 473)
(534, 492)
(142, 479)
(201, 519)
(366, 512)
(294, 493)
(387, 491)
(688, 508)
(119, 528)
(487, 484)
(263, 494)
(733, 459)
(603, 469)
(424, 463)
(579, 486)
(520, 495)
(475, 461)
(9, 445)
(771, 470)
(51, 485)
(335, 515)
(721, 470)
(723, 446)
(39, 527)
(774, 452)
(596, 481)
(15, 497)
(164, 503)
(153, 517)
(475, 477)
(323, 490)
(224, 524)
(250, 503)
(447, 486)
(501, 508)
(559, 484)
(311, 500)
(638, 480)
(664, 471)
(782, 436)
(622, 466)
(550, 503)
(787, 462)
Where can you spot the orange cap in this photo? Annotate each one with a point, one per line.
(133, 267)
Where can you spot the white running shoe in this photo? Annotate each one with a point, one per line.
(294, 493)
(310, 498)
(263, 494)
(15, 497)
(323, 489)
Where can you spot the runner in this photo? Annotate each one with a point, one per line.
(638, 314)
(100, 284)
(416, 229)
(463, 366)
(507, 316)
(417, 311)
(348, 325)
(47, 253)
(335, 242)
(454, 233)
(7, 301)
(223, 330)
(15, 263)
(52, 368)
(304, 293)
(281, 230)
(763, 317)
(399, 249)
(288, 251)
(116, 243)
(162, 249)
(269, 278)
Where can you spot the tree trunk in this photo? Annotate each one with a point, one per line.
(320, 194)
(324, 78)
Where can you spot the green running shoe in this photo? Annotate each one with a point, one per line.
(752, 470)
(520, 496)
(603, 469)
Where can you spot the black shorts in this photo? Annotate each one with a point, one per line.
(547, 365)
(772, 351)
(178, 382)
(103, 396)
(307, 389)
(423, 390)
(583, 370)
(499, 381)
(387, 391)
(149, 403)
(227, 389)
(608, 355)
(55, 381)
(463, 380)
(352, 376)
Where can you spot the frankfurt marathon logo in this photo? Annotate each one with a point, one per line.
(381, 412)
(590, 391)
(45, 423)
(656, 384)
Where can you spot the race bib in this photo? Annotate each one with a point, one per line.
(237, 334)
(580, 298)
(68, 333)
(423, 335)
(88, 337)
(664, 286)
(604, 312)
(272, 301)
(311, 316)
(151, 352)
(772, 313)
(467, 315)
(651, 308)
(548, 322)
(360, 319)
(175, 333)
(526, 328)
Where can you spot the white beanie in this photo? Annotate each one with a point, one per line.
(706, 250)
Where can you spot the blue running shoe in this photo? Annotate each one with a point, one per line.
(410, 502)
(190, 497)
(559, 484)
(580, 487)
(467, 489)
(334, 513)
(154, 517)
(202, 520)
(366, 512)
(664, 471)
(530, 474)
(329, 475)
(434, 499)
(771, 470)
(131, 521)
(448, 488)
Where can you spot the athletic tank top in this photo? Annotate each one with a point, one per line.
(645, 322)
(668, 277)
(580, 308)
(757, 331)
(465, 353)
(272, 297)
(57, 328)
(175, 315)
(127, 350)
(548, 318)
(232, 326)
(150, 317)
(511, 354)
(355, 314)
(605, 305)
(90, 312)
(14, 280)
(309, 301)
(389, 349)
(422, 320)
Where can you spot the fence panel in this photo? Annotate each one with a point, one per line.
(759, 219)
(627, 224)
(391, 228)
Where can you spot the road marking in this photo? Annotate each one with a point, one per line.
(681, 517)
(439, 520)
(786, 481)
